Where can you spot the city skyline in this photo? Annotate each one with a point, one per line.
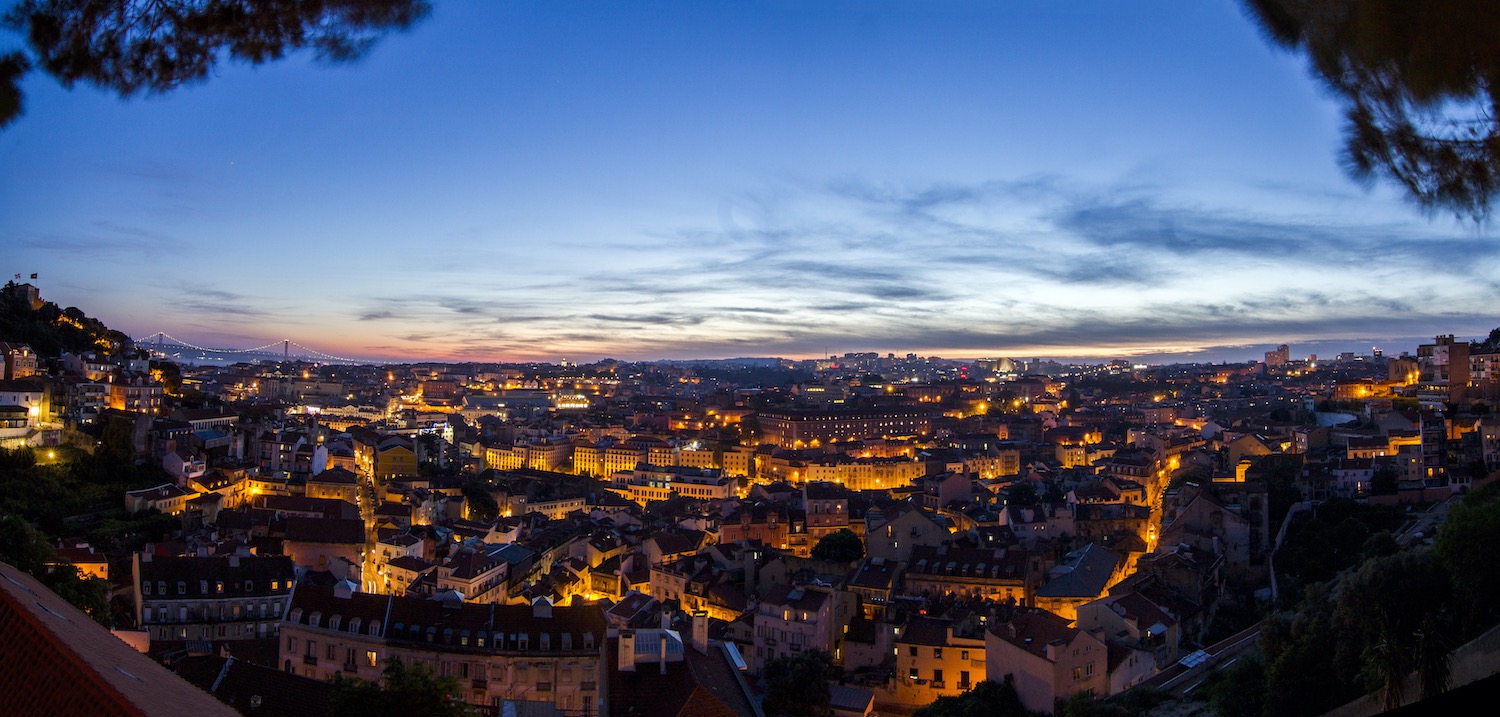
(672, 181)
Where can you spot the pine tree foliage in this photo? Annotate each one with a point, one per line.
(152, 46)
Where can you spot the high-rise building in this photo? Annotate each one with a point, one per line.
(1444, 367)
(1280, 357)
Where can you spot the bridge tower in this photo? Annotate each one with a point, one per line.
(286, 348)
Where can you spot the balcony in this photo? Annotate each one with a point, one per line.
(938, 684)
(965, 686)
(309, 660)
(480, 683)
(350, 668)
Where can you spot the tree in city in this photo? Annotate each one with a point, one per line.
(29, 551)
(840, 546)
(1022, 494)
(1420, 84)
(1465, 547)
(136, 47)
(478, 502)
(1390, 610)
(988, 699)
(1385, 481)
(797, 686)
(404, 690)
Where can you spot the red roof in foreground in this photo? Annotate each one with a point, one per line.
(59, 662)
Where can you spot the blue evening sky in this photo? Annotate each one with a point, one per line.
(539, 180)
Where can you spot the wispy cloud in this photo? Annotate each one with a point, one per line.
(1039, 265)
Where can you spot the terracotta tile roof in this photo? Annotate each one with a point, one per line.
(1033, 630)
(255, 689)
(59, 662)
(341, 531)
(701, 685)
(338, 476)
(420, 620)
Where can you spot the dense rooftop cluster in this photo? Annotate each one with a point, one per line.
(573, 538)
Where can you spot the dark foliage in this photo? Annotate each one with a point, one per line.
(30, 551)
(1022, 495)
(1418, 81)
(481, 505)
(797, 686)
(1239, 691)
(987, 699)
(407, 690)
(841, 546)
(1466, 547)
(135, 46)
(49, 330)
(1333, 538)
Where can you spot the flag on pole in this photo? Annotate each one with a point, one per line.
(18, 276)
(33, 276)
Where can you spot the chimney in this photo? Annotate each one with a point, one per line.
(700, 632)
(627, 651)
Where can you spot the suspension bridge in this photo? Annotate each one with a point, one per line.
(165, 345)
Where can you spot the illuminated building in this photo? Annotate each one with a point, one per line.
(20, 361)
(801, 428)
(1280, 357)
(1047, 660)
(538, 653)
(1444, 367)
(210, 598)
(935, 658)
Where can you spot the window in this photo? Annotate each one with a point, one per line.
(911, 650)
(963, 655)
(912, 675)
(146, 587)
(202, 587)
(181, 587)
(372, 658)
(937, 653)
(1077, 673)
(963, 679)
(219, 587)
(937, 675)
